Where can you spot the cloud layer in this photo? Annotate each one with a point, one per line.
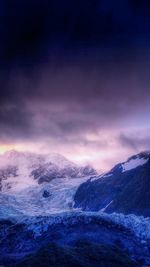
(76, 82)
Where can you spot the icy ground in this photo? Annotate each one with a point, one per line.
(56, 196)
(46, 213)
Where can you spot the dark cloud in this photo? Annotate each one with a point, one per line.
(136, 141)
(72, 100)
(15, 123)
(31, 30)
(75, 72)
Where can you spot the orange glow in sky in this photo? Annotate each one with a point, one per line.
(5, 147)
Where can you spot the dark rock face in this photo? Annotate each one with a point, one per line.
(48, 172)
(5, 173)
(88, 170)
(46, 194)
(118, 191)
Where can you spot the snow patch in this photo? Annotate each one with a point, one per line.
(104, 175)
(106, 206)
(107, 175)
(95, 178)
(133, 163)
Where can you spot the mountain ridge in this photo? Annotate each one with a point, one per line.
(124, 189)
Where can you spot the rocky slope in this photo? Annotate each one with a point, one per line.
(125, 189)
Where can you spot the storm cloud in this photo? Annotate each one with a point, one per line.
(74, 77)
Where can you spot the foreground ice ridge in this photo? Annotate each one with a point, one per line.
(138, 225)
(24, 234)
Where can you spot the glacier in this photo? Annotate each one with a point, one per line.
(30, 201)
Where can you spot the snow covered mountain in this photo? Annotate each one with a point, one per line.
(125, 189)
(43, 218)
(19, 170)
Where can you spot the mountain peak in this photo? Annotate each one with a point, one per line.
(24, 169)
(11, 152)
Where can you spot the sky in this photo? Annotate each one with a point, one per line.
(74, 78)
